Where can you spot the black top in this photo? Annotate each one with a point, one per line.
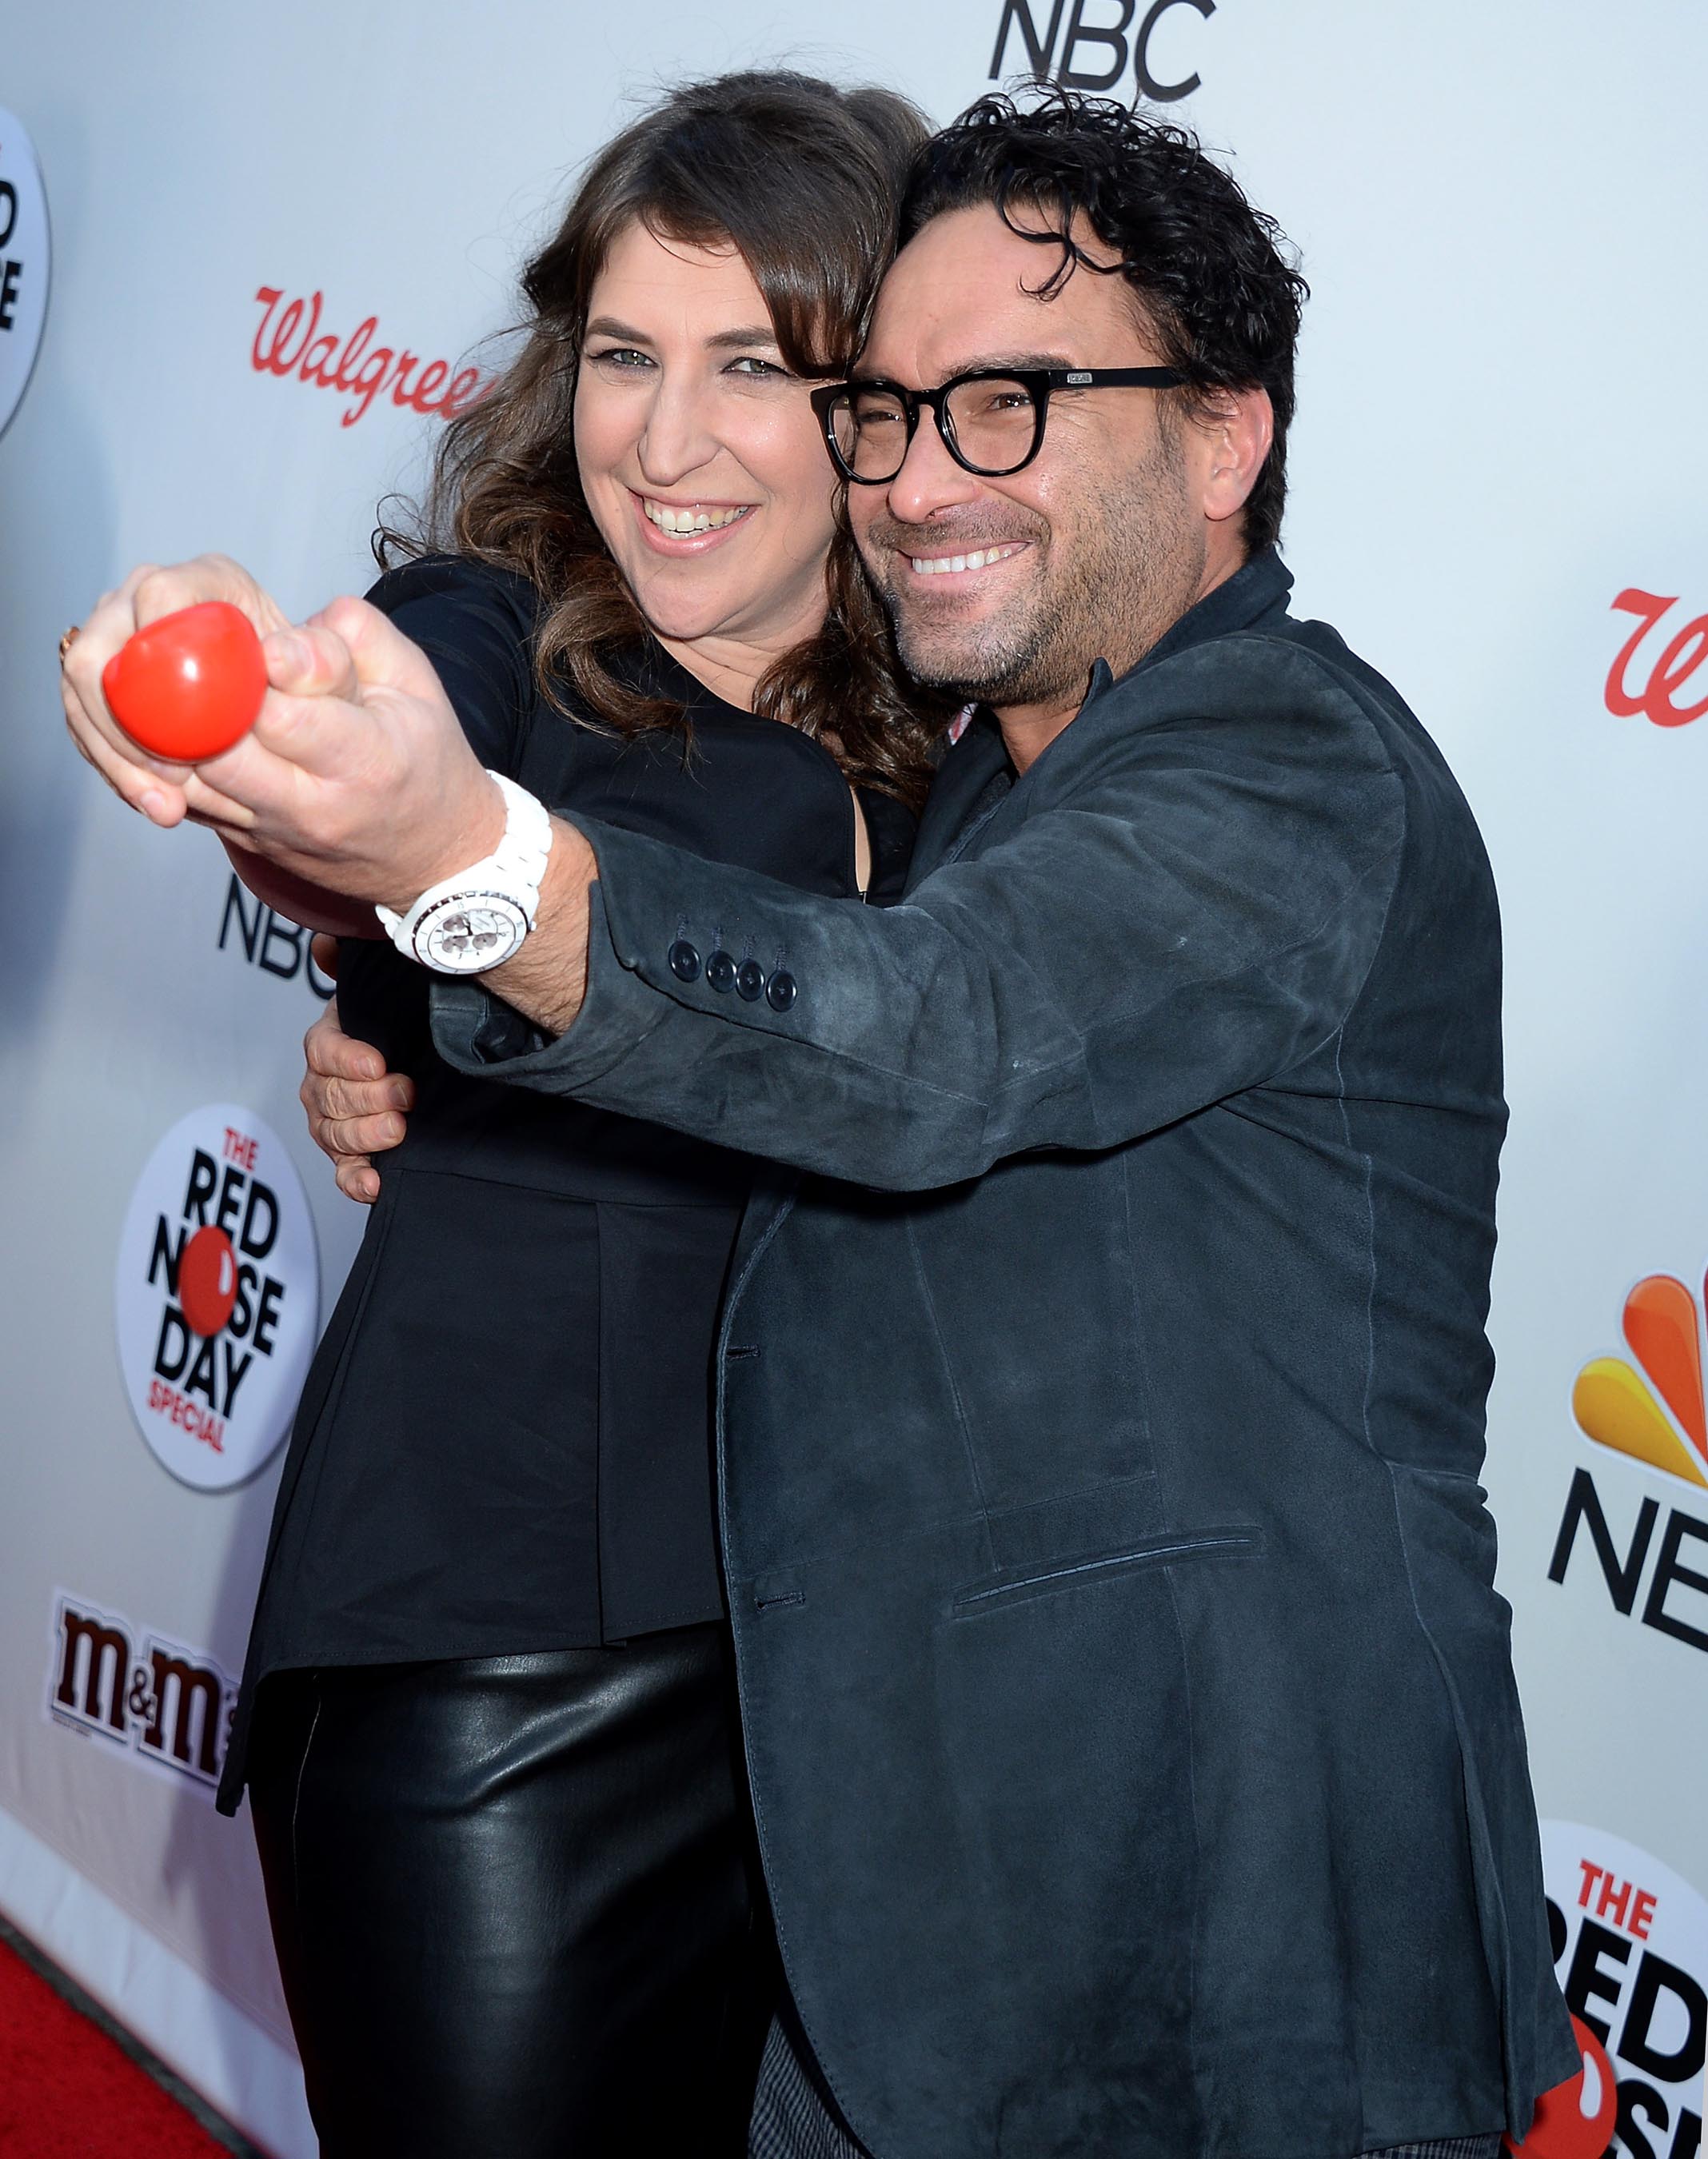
(504, 1442)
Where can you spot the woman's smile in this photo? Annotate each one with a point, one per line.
(688, 528)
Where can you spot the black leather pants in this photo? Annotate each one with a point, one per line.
(515, 1906)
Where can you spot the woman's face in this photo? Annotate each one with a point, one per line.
(700, 457)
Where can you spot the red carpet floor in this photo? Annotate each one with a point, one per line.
(69, 2092)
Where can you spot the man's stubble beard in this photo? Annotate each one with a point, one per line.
(1109, 592)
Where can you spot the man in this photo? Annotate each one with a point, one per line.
(1132, 1733)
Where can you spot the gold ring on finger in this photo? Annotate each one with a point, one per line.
(69, 640)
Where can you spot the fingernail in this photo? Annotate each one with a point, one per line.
(294, 655)
(153, 806)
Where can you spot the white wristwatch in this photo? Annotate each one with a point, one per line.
(475, 921)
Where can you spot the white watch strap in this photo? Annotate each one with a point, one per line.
(514, 867)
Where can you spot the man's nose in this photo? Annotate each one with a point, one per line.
(929, 479)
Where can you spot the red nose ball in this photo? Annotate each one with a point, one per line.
(190, 685)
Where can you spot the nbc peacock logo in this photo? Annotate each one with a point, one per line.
(1650, 1407)
(1626, 1407)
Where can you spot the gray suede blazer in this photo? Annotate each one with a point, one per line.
(1129, 1713)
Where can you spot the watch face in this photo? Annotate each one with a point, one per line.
(467, 935)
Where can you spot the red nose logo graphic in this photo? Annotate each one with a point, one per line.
(1576, 2119)
(207, 1280)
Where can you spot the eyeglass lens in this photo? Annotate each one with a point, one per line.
(992, 422)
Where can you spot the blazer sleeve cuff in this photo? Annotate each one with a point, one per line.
(645, 959)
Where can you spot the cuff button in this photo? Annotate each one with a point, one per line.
(685, 961)
(780, 991)
(750, 980)
(720, 972)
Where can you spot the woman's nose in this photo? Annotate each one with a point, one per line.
(677, 438)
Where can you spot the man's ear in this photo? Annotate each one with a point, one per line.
(1238, 426)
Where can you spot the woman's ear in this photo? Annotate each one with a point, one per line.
(1239, 427)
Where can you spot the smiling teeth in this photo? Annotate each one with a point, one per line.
(927, 565)
(668, 519)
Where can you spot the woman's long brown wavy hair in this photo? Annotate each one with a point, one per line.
(805, 180)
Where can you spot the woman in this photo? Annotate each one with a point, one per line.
(487, 1721)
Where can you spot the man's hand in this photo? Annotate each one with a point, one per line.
(356, 777)
(165, 792)
(356, 1108)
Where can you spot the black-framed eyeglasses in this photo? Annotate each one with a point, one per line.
(992, 419)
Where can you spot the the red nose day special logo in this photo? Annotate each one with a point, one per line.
(1653, 670)
(218, 1295)
(1630, 1944)
(23, 262)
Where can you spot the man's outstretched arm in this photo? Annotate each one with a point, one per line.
(1191, 909)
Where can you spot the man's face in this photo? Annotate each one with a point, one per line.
(1107, 525)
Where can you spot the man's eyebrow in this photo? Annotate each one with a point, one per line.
(1020, 359)
(976, 364)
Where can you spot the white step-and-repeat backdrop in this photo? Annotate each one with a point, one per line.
(258, 252)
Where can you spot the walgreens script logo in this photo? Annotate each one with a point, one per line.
(291, 342)
(1649, 1408)
(1650, 684)
(1630, 1944)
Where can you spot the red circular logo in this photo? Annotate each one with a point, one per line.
(207, 1280)
(1576, 2119)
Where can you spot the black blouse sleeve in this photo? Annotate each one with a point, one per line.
(474, 623)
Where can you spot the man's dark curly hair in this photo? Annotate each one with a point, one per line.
(1211, 275)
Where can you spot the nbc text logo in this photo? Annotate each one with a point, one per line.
(1095, 54)
(268, 941)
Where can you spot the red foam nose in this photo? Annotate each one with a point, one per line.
(190, 685)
